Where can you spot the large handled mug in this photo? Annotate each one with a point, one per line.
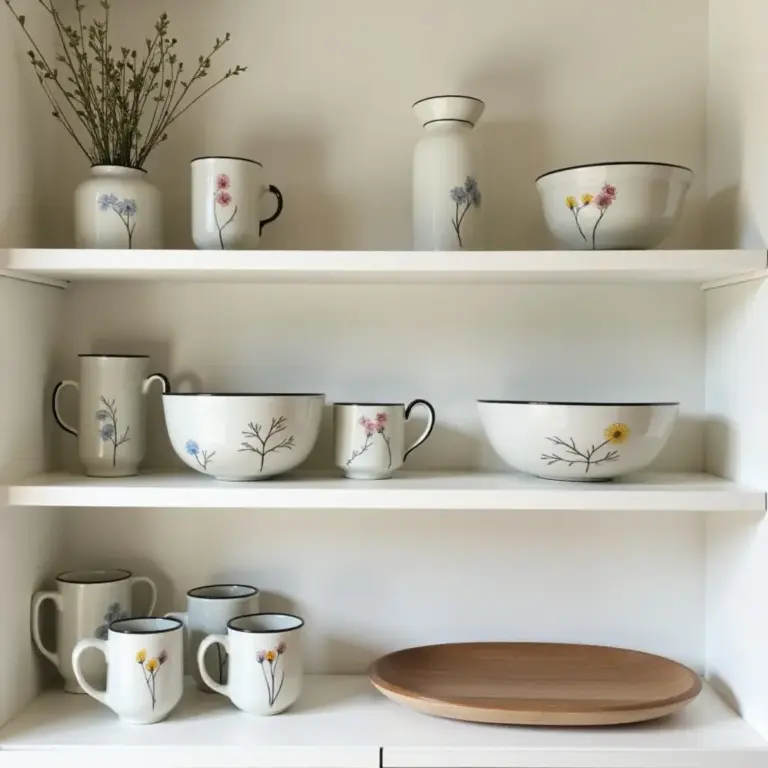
(87, 602)
(112, 433)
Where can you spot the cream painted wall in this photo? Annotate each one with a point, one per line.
(325, 105)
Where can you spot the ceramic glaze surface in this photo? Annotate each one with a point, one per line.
(614, 206)
(581, 442)
(87, 602)
(209, 609)
(145, 668)
(266, 664)
(243, 437)
(117, 207)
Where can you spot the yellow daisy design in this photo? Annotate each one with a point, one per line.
(570, 201)
(616, 433)
(270, 655)
(141, 656)
(586, 198)
(152, 665)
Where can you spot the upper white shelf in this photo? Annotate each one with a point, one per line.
(408, 490)
(342, 722)
(685, 266)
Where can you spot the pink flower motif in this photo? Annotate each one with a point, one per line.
(381, 418)
(609, 190)
(260, 656)
(223, 198)
(280, 648)
(369, 425)
(606, 197)
(222, 181)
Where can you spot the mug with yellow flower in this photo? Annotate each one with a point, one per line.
(145, 668)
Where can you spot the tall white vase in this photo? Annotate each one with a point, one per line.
(446, 191)
(117, 208)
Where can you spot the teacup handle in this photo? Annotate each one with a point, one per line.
(430, 423)
(279, 195)
(152, 588)
(79, 649)
(37, 601)
(207, 679)
(162, 378)
(57, 390)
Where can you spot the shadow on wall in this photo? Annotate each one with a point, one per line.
(729, 224)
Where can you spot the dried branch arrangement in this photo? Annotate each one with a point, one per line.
(125, 102)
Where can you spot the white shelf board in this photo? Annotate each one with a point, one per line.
(408, 490)
(342, 722)
(686, 266)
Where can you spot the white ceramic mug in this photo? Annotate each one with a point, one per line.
(145, 668)
(209, 609)
(87, 602)
(265, 662)
(226, 203)
(370, 437)
(112, 433)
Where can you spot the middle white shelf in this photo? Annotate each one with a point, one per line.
(667, 492)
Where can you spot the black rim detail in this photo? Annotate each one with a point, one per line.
(226, 157)
(265, 631)
(448, 96)
(113, 626)
(163, 380)
(254, 591)
(430, 408)
(447, 120)
(62, 577)
(130, 357)
(279, 195)
(127, 167)
(555, 402)
(613, 163)
(244, 394)
(374, 405)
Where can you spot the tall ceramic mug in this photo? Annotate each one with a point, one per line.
(227, 207)
(209, 609)
(111, 435)
(145, 668)
(266, 666)
(87, 602)
(369, 438)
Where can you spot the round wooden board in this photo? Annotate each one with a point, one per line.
(535, 683)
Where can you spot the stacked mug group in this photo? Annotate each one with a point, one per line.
(231, 648)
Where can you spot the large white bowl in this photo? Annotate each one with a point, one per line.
(577, 441)
(243, 437)
(614, 206)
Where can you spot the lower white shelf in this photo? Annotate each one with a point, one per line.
(425, 490)
(342, 722)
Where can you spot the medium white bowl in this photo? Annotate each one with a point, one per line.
(577, 441)
(243, 437)
(614, 206)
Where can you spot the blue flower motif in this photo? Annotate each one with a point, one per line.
(477, 198)
(107, 432)
(192, 448)
(128, 206)
(471, 186)
(106, 202)
(102, 415)
(459, 195)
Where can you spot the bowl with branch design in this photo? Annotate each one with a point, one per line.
(614, 206)
(242, 437)
(577, 441)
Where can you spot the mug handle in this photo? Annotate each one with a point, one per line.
(207, 679)
(279, 195)
(37, 601)
(430, 422)
(156, 377)
(152, 588)
(55, 405)
(83, 645)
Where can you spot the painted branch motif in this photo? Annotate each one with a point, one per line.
(604, 199)
(255, 432)
(108, 429)
(203, 458)
(150, 668)
(465, 197)
(614, 434)
(222, 197)
(373, 427)
(125, 209)
(269, 662)
(115, 612)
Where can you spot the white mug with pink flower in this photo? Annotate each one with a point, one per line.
(227, 194)
(370, 437)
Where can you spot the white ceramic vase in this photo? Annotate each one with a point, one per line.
(446, 191)
(117, 208)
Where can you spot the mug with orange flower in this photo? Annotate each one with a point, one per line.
(265, 662)
(370, 437)
(145, 668)
(226, 203)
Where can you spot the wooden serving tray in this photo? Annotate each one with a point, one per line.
(535, 683)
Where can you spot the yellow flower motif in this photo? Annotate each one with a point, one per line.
(270, 655)
(616, 433)
(570, 201)
(141, 656)
(586, 198)
(152, 665)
